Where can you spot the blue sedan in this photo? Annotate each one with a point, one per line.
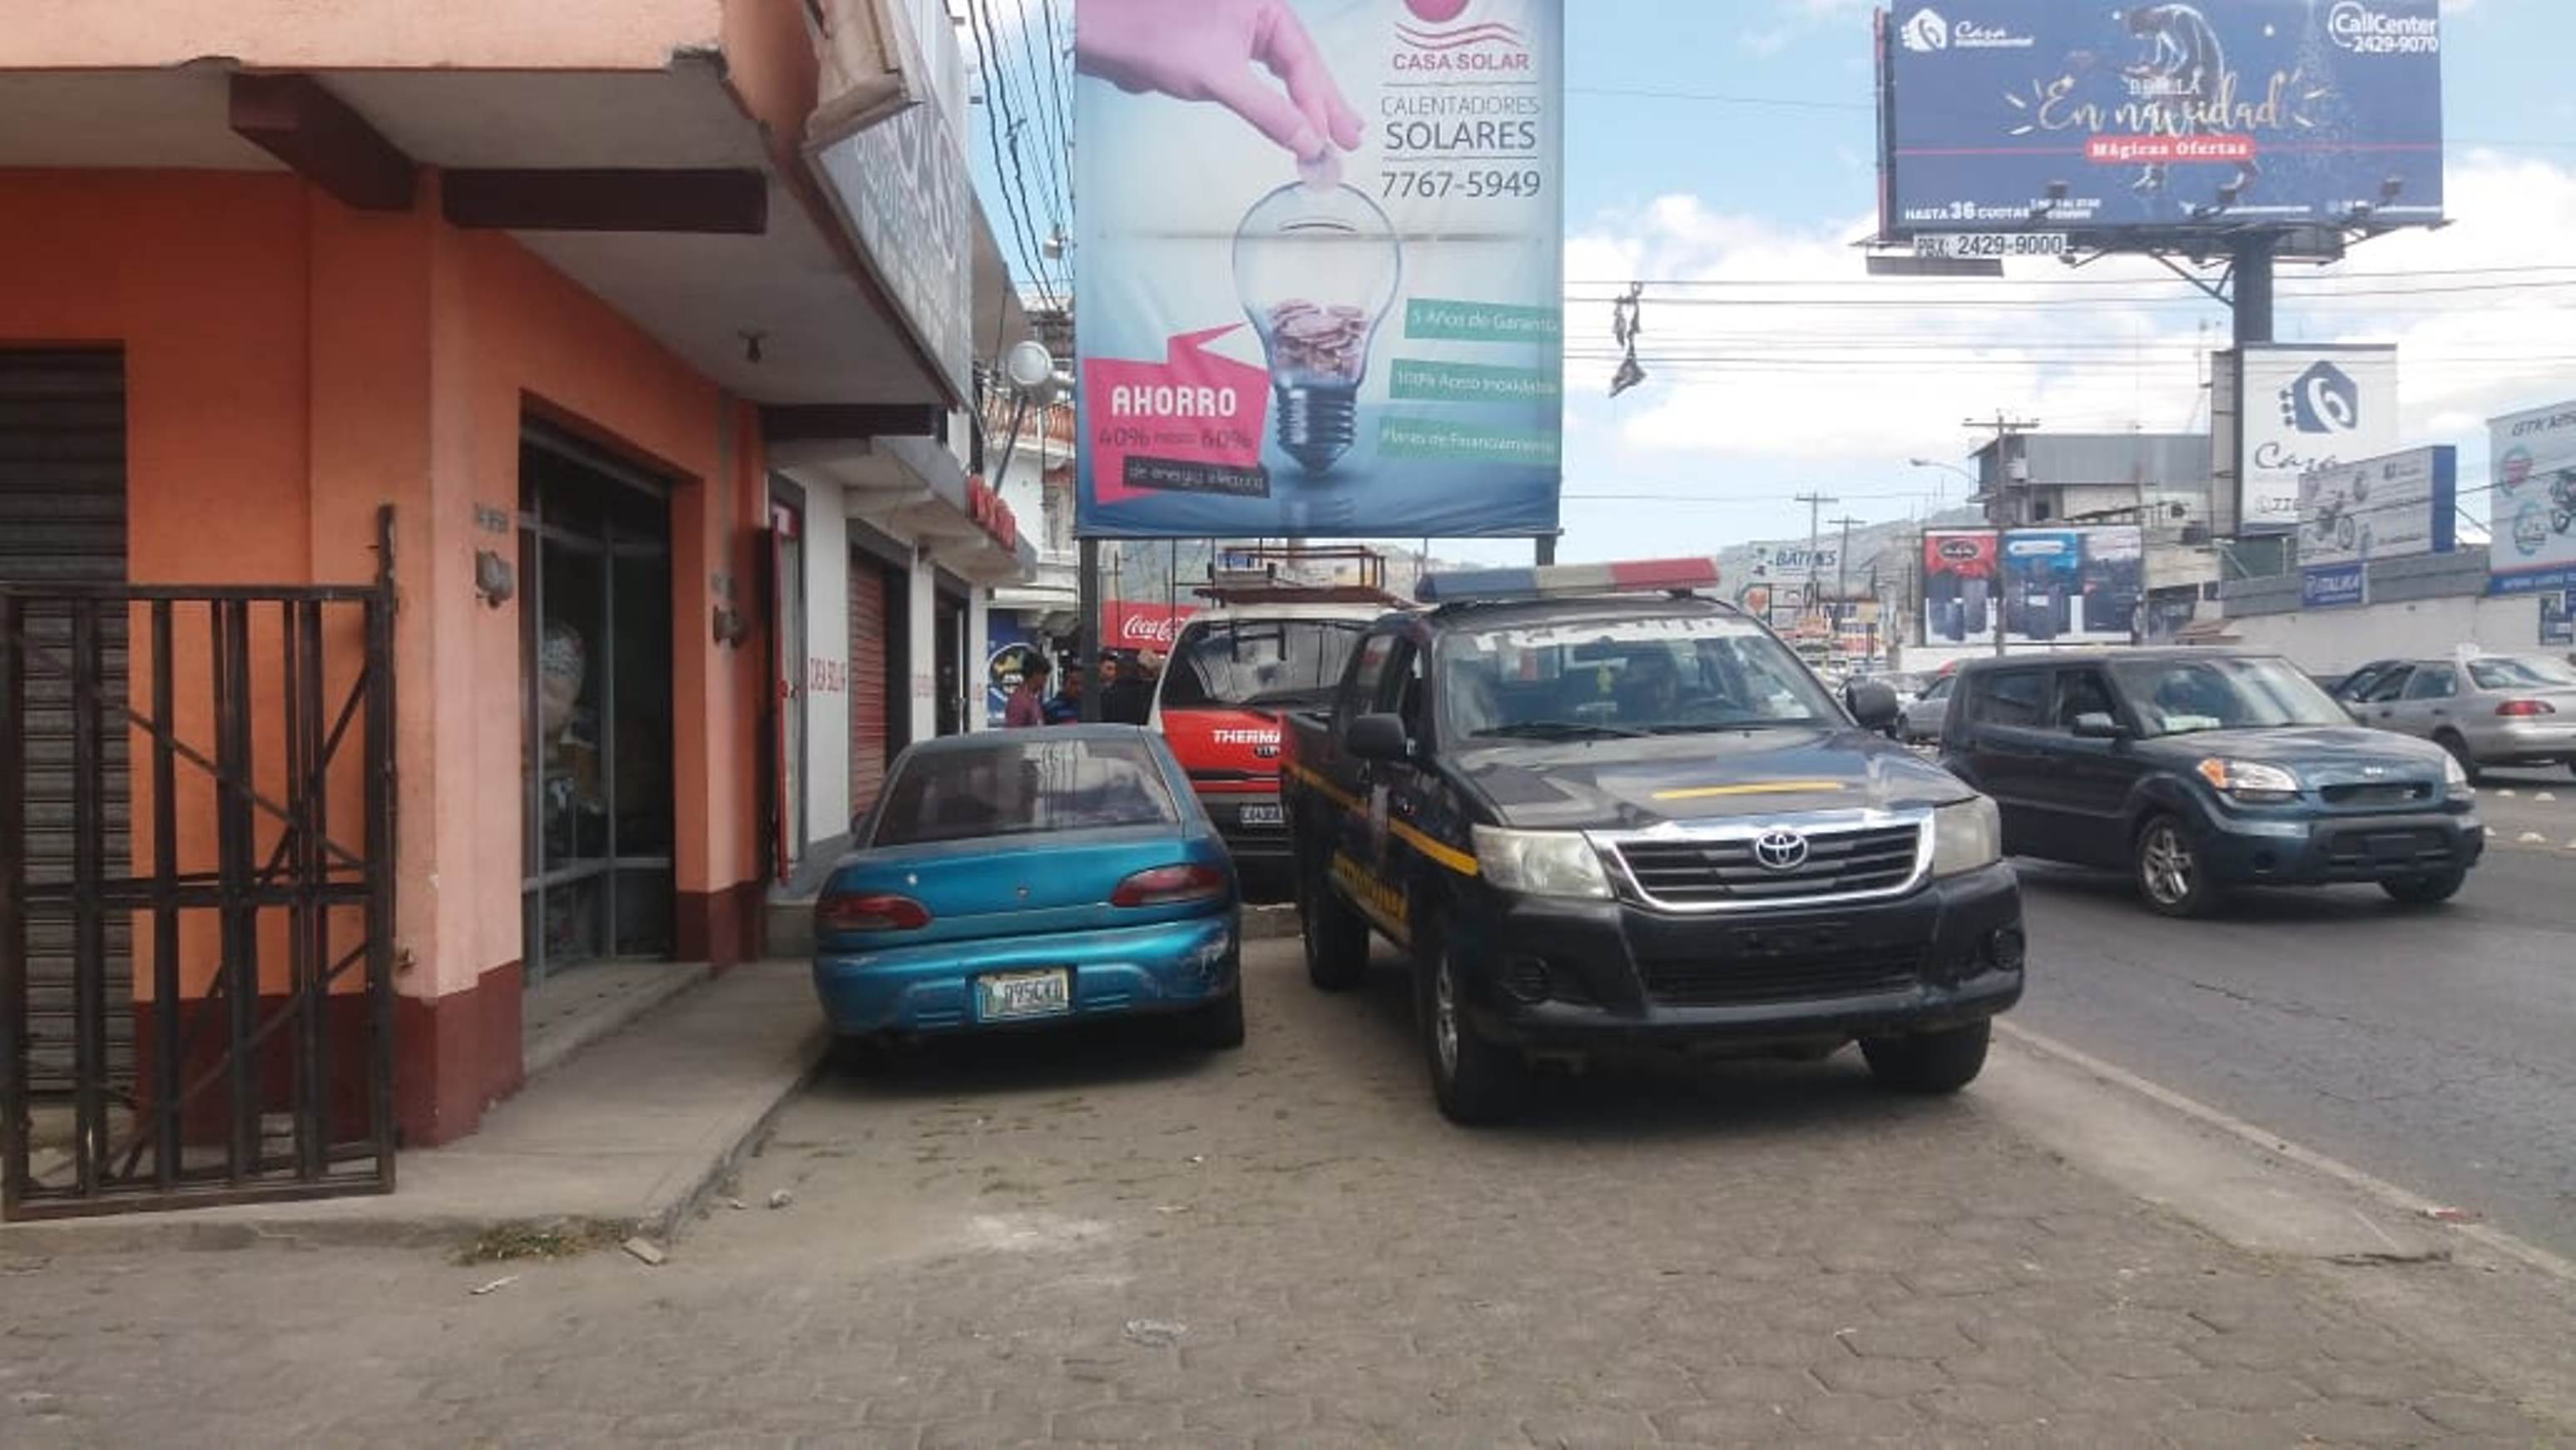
(1032, 877)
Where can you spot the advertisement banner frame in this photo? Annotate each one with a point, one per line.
(2531, 500)
(1367, 343)
(2321, 399)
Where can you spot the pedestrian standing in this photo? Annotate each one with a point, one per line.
(1028, 703)
(1066, 707)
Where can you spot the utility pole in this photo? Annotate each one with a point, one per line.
(2001, 510)
(1815, 503)
(1842, 561)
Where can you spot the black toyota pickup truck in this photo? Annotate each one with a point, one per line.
(1600, 820)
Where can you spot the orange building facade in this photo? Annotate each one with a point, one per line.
(546, 282)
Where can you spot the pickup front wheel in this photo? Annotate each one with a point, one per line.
(1476, 1082)
(1337, 940)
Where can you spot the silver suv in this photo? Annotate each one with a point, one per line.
(2487, 710)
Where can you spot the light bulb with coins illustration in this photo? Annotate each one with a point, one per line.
(1317, 264)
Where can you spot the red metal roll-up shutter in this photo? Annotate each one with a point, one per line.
(868, 684)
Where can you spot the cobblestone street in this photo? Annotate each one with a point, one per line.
(1103, 1239)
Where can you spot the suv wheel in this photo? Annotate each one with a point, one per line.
(1476, 1082)
(1337, 940)
(2460, 752)
(2426, 890)
(1929, 1063)
(2172, 878)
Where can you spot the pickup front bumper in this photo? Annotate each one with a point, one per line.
(1572, 975)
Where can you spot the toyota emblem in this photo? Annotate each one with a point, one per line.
(1780, 849)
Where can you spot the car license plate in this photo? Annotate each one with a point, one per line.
(1007, 995)
(1267, 813)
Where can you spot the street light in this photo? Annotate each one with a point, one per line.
(1941, 492)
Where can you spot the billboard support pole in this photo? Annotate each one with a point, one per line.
(1546, 552)
(2250, 298)
(1086, 639)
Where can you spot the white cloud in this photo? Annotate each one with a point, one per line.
(1802, 365)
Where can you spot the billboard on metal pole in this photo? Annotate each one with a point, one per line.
(2118, 122)
(2532, 505)
(1327, 304)
(2297, 409)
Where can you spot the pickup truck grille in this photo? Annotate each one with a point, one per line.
(1724, 872)
(1753, 981)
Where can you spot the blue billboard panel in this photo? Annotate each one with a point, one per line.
(1328, 304)
(2067, 116)
(2331, 586)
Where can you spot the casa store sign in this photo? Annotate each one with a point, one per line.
(985, 506)
(1141, 626)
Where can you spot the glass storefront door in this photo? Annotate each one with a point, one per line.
(595, 579)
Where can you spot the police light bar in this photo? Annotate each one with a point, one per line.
(1568, 581)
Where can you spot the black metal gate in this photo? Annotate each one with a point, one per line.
(259, 726)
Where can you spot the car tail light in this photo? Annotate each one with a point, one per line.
(2526, 707)
(1169, 886)
(870, 911)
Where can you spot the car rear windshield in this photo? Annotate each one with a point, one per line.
(1021, 785)
(1247, 662)
(2522, 674)
(2182, 697)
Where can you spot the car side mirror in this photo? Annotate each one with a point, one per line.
(2094, 725)
(1378, 737)
(1873, 705)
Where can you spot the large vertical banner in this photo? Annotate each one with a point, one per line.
(2533, 503)
(1319, 279)
(1961, 583)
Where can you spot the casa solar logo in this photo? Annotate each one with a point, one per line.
(1929, 32)
(1443, 36)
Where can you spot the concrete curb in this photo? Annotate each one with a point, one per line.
(667, 1221)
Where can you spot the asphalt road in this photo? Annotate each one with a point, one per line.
(2435, 1049)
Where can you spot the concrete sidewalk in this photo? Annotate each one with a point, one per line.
(632, 1131)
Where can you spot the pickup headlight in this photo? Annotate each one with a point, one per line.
(2250, 781)
(1541, 863)
(1966, 837)
(2452, 775)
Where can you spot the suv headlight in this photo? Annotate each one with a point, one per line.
(2452, 775)
(2250, 781)
(1541, 863)
(1966, 837)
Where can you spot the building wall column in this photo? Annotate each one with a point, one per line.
(924, 645)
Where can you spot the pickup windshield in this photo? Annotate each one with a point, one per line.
(1252, 662)
(1686, 674)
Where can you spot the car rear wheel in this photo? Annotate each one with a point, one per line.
(1216, 1026)
(862, 1055)
(1337, 939)
(2429, 889)
(2172, 878)
(2460, 752)
(1476, 1082)
(1928, 1063)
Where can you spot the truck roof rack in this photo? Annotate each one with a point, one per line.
(1569, 581)
(1298, 574)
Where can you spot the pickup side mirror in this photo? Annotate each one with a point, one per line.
(1378, 737)
(1873, 705)
(2094, 725)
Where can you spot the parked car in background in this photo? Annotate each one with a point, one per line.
(1919, 719)
(2199, 771)
(2486, 710)
(1022, 878)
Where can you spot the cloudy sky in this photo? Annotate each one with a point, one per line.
(1722, 152)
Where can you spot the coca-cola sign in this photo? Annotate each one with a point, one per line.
(1141, 626)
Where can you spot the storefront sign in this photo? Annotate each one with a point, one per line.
(901, 186)
(985, 505)
(2558, 618)
(2533, 504)
(1365, 342)
(1128, 625)
(2332, 586)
